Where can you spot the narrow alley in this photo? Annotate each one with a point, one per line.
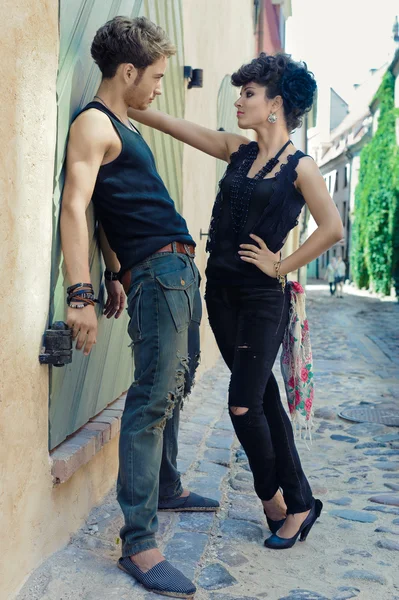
(353, 550)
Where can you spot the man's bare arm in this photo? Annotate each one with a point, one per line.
(110, 258)
(116, 298)
(87, 145)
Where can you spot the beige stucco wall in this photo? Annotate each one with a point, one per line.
(218, 38)
(35, 518)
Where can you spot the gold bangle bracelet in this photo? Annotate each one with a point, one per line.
(280, 278)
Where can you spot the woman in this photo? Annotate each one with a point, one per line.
(330, 275)
(260, 198)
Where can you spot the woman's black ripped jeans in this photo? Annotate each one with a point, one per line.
(248, 324)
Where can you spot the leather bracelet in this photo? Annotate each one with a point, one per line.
(75, 305)
(74, 301)
(81, 295)
(110, 275)
(72, 288)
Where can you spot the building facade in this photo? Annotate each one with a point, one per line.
(340, 132)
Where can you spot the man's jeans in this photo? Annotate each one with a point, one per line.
(165, 310)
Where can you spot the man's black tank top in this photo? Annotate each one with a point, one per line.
(131, 201)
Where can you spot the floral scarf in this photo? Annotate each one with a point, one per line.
(296, 363)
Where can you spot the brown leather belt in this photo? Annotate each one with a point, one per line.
(177, 247)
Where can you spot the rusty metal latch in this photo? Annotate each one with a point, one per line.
(57, 349)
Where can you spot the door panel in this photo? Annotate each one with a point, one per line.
(82, 389)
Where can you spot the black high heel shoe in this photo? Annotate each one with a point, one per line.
(277, 543)
(274, 526)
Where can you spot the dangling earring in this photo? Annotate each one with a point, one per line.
(272, 118)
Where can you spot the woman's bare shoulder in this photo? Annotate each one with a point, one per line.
(234, 141)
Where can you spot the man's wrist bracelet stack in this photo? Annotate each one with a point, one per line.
(81, 295)
(110, 275)
(280, 278)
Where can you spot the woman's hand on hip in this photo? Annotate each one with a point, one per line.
(259, 255)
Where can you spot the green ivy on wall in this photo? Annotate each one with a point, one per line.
(375, 241)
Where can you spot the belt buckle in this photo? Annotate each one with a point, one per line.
(188, 251)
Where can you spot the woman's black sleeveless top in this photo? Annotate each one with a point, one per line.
(274, 208)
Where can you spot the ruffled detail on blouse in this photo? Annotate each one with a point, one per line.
(282, 212)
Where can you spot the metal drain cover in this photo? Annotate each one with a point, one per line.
(371, 415)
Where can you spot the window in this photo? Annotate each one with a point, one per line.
(312, 114)
(256, 14)
(336, 182)
(344, 208)
(346, 175)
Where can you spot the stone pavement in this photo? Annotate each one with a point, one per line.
(352, 552)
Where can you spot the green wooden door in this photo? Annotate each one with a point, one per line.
(82, 389)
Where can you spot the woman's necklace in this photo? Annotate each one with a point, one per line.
(240, 200)
(130, 126)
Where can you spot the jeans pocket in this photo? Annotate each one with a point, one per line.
(179, 291)
(134, 310)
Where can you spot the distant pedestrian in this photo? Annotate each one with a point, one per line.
(340, 276)
(330, 275)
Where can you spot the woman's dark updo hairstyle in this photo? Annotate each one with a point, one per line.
(283, 77)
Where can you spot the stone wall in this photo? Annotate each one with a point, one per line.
(35, 518)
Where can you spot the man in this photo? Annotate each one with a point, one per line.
(144, 237)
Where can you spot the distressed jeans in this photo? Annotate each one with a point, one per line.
(164, 306)
(249, 324)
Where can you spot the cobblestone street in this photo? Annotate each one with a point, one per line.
(352, 552)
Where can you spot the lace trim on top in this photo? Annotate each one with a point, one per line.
(281, 215)
(278, 205)
(217, 207)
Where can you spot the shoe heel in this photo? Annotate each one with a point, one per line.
(305, 532)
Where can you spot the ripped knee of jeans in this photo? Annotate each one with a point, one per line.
(194, 362)
(238, 411)
(175, 397)
(182, 373)
(169, 408)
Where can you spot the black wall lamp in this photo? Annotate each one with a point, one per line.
(194, 76)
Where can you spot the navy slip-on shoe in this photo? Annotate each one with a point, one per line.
(162, 579)
(193, 502)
